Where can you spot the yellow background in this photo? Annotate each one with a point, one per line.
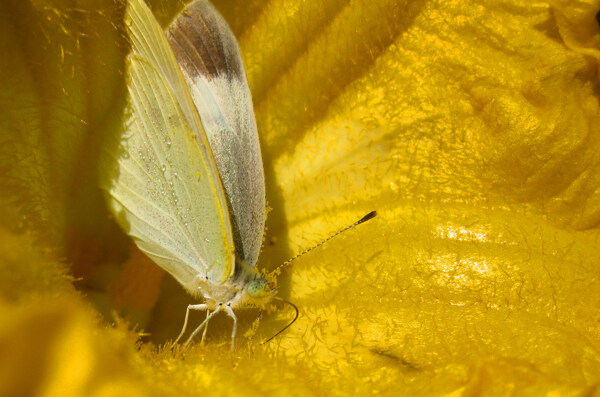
(472, 128)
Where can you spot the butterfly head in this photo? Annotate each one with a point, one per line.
(252, 286)
(258, 288)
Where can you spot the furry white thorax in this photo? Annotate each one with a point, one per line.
(233, 291)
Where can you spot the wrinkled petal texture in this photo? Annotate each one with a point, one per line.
(473, 128)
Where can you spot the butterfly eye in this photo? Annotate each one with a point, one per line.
(256, 288)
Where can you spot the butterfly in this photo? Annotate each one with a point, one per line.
(186, 180)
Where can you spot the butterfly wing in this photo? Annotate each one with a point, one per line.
(163, 186)
(211, 62)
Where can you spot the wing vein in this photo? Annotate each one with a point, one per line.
(143, 120)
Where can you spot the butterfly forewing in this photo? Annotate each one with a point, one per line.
(209, 57)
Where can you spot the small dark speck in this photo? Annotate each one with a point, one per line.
(598, 17)
(393, 357)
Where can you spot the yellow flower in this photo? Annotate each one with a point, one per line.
(470, 127)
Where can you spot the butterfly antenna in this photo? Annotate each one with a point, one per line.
(365, 218)
(291, 322)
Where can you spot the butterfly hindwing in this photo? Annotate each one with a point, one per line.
(165, 190)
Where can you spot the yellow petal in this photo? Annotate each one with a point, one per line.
(470, 127)
(56, 348)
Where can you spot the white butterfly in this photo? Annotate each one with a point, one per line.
(191, 193)
(186, 179)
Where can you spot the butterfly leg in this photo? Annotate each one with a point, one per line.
(231, 314)
(205, 330)
(201, 306)
(218, 309)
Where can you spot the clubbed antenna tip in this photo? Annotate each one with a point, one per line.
(365, 218)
